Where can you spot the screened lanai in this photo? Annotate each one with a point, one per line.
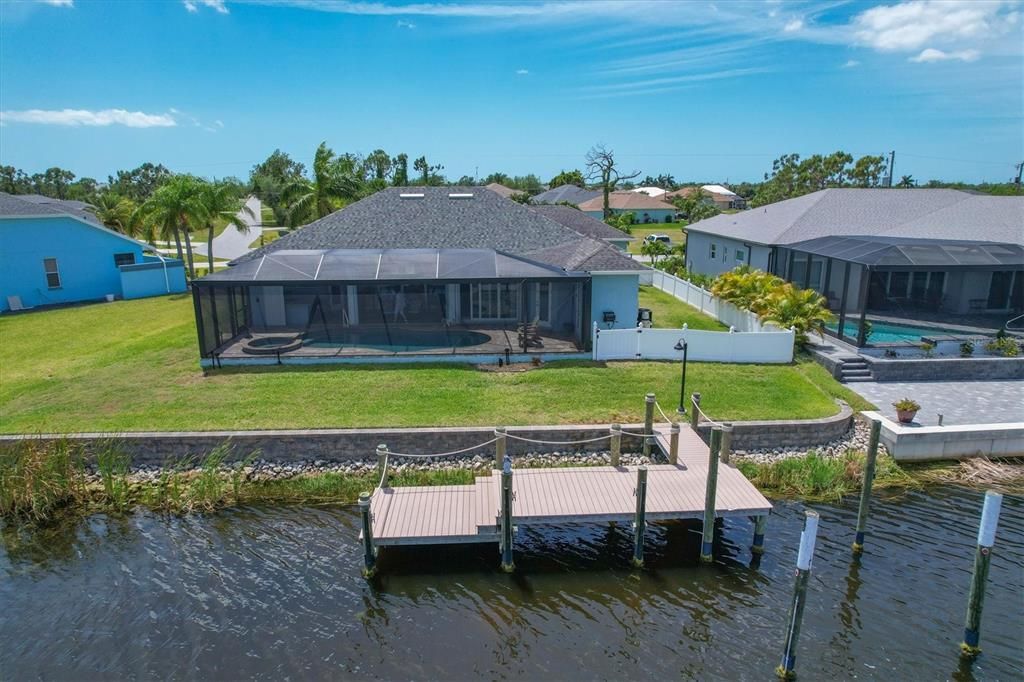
(958, 282)
(390, 302)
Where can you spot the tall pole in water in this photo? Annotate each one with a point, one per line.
(369, 551)
(506, 516)
(979, 579)
(796, 611)
(710, 490)
(865, 489)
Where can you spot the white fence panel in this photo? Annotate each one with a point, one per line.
(769, 347)
(707, 303)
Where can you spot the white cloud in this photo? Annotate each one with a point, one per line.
(793, 25)
(84, 117)
(851, 63)
(193, 5)
(932, 55)
(522, 72)
(219, 123)
(911, 25)
(58, 3)
(402, 23)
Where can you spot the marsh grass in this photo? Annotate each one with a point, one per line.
(37, 478)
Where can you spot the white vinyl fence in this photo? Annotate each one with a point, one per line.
(768, 346)
(708, 303)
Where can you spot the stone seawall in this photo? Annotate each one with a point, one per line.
(757, 435)
(946, 369)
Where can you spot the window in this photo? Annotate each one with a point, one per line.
(124, 259)
(741, 255)
(494, 301)
(542, 302)
(725, 254)
(714, 251)
(52, 273)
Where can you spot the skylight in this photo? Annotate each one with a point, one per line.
(411, 195)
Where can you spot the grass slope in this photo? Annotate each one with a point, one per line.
(671, 313)
(133, 365)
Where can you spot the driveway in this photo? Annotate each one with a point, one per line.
(232, 243)
(960, 402)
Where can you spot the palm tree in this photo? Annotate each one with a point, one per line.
(804, 310)
(117, 213)
(329, 189)
(906, 181)
(175, 209)
(219, 200)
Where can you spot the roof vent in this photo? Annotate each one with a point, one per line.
(460, 195)
(411, 195)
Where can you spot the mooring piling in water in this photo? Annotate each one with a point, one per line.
(640, 520)
(649, 401)
(616, 443)
(673, 443)
(369, 551)
(760, 523)
(507, 530)
(786, 669)
(979, 578)
(710, 489)
(499, 446)
(382, 465)
(865, 488)
(694, 411)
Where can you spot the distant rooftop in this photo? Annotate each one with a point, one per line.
(626, 201)
(501, 189)
(566, 193)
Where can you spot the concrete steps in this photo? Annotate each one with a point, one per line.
(855, 369)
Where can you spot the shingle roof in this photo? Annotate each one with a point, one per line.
(500, 189)
(577, 220)
(570, 193)
(935, 214)
(11, 205)
(433, 218)
(626, 201)
(37, 204)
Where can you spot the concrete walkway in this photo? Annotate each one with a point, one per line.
(960, 402)
(232, 242)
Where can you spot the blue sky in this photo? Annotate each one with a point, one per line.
(703, 90)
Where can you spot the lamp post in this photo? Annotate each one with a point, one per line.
(681, 345)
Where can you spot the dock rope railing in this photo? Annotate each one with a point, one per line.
(388, 454)
(704, 414)
(663, 415)
(558, 442)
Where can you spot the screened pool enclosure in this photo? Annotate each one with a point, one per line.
(349, 303)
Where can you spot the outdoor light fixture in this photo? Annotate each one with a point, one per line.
(681, 345)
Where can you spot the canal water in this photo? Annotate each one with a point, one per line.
(275, 593)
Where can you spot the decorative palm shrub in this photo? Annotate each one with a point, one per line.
(1005, 346)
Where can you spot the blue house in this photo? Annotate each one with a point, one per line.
(421, 274)
(645, 209)
(55, 252)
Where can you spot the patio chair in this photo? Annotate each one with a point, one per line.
(529, 335)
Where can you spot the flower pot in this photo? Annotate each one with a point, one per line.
(906, 416)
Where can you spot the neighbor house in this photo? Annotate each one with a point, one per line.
(566, 194)
(645, 209)
(657, 192)
(502, 190)
(722, 198)
(418, 274)
(586, 225)
(912, 254)
(54, 252)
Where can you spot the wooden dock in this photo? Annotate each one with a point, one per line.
(472, 513)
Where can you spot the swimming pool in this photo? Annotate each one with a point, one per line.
(889, 332)
(398, 340)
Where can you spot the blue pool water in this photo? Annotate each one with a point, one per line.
(887, 332)
(398, 340)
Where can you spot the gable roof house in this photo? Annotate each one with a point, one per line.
(501, 189)
(55, 252)
(723, 198)
(418, 274)
(917, 254)
(645, 209)
(570, 194)
(586, 225)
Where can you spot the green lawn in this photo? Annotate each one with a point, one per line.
(671, 313)
(267, 216)
(133, 365)
(673, 230)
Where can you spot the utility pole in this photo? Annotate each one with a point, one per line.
(892, 165)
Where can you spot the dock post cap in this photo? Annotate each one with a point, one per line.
(382, 446)
(500, 429)
(649, 397)
(989, 518)
(364, 499)
(674, 427)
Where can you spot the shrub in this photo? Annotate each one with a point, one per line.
(928, 349)
(967, 349)
(1005, 346)
(890, 353)
(868, 329)
(906, 405)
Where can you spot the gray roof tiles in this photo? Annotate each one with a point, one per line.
(934, 214)
(570, 193)
(577, 220)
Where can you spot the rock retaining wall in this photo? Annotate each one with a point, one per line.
(760, 435)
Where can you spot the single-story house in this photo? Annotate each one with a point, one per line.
(586, 225)
(501, 189)
(939, 255)
(645, 209)
(54, 252)
(657, 192)
(723, 198)
(417, 274)
(566, 194)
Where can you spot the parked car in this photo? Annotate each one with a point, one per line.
(663, 238)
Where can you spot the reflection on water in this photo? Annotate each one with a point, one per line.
(275, 592)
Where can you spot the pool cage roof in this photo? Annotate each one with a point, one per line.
(380, 265)
(897, 252)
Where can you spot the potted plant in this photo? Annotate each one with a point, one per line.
(966, 349)
(906, 410)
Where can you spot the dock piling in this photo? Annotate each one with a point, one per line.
(499, 446)
(694, 412)
(648, 423)
(979, 578)
(796, 611)
(369, 551)
(616, 443)
(726, 451)
(710, 490)
(507, 564)
(865, 488)
(673, 443)
(382, 465)
(640, 520)
(760, 523)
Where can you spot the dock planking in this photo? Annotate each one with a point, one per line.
(434, 515)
